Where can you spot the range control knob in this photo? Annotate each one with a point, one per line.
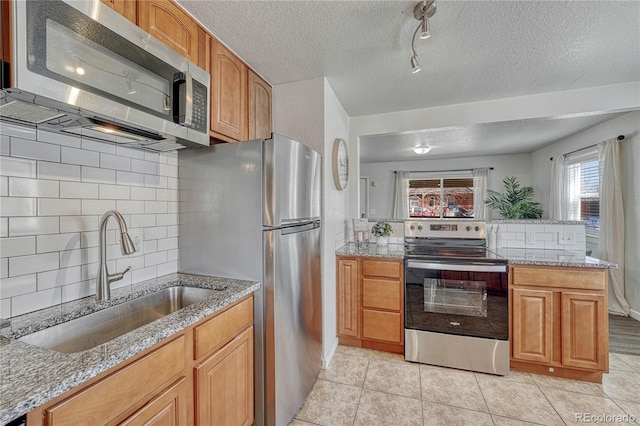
(412, 227)
(477, 228)
(419, 227)
(468, 228)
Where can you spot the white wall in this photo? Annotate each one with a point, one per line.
(381, 196)
(309, 111)
(54, 189)
(629, 126)
(616, 97)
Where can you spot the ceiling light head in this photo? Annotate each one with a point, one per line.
(422, 149)
(425, 31)
(414, 65)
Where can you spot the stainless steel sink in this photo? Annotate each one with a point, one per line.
(99, 327)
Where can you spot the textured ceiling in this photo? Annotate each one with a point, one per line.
(479, 49)
(507, 137)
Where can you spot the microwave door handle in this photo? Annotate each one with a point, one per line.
(184, 98)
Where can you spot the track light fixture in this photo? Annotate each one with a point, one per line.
(422, 12)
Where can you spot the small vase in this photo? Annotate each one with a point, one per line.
(382, 241)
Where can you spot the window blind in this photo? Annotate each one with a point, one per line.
(583, 180)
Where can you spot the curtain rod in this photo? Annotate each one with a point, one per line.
(442, 171)
(621, 137)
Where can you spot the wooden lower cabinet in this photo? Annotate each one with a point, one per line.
(203, 377)
(559, 321)
(370, 300)
(224, 384)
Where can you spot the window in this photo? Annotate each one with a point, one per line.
(441, 197)
(583, 192)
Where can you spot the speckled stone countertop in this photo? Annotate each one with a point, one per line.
(538, 222)
(544, 257)
(31, 375)
(394, 251)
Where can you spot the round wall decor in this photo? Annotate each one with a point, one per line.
(340, 164)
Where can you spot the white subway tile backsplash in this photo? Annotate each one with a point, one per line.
(35, 301)
(141, 193)
(98, 146)
(142, 166)
(553, 228)
(128, 152)
(81, 157)
(24, 187)
(78, 190)
(34, 150)
(59, 277)
(97, 207)
(155, 207)
(115, 192)
(19, 246)
(58, 139)
(51, 205)
(4, 268)
(96, 175)
(108, 161)
(58, 207)
(129, 178)
(11, 287)
(17, 206)
(23, 265)
(130, 207)
(58, 242)
(23, 132)
(20, 167)
(58, 171)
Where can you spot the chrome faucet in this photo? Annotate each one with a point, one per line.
(104, 279)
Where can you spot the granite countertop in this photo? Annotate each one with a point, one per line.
(31, 375)
(546, 257)
(394, 251)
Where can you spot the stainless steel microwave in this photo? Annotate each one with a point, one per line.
(78, 67)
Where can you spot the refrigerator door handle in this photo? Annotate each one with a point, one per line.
(297, 221)
(301, 228)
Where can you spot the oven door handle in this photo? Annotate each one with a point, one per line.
(466, 267)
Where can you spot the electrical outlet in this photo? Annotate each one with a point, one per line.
(566, 238)
(530, 237)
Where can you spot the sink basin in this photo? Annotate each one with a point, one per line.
(99, 327)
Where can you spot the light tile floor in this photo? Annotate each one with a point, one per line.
(366, 387)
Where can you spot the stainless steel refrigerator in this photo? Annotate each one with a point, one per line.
(251, 210)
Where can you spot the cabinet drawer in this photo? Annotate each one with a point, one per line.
(381, 294)
(216, 332)
(579, 278)
(378, 268)
(102, 402)
(378, 325)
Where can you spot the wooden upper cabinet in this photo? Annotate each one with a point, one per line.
(167, 22)
(126, 8)
(229, 77)
(260, 120)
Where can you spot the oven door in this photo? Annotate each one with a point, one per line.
(461, 298)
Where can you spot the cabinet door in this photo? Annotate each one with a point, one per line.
(169, 408)
(224, 384)
(584, 330)
(228, 93)
(126, 8)
(532, 325)
(164, 20)
(348, 298)
(259, 108)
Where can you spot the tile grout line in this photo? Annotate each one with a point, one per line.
(475, 377)
(549, 401)
(355, 416)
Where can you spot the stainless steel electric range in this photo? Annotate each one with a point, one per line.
(456, 304)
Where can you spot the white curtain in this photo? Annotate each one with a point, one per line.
(558, 189)
(611, 236)
(479, 193)
(401, 197)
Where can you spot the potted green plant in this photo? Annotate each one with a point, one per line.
(516, 202)
(381, 230)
